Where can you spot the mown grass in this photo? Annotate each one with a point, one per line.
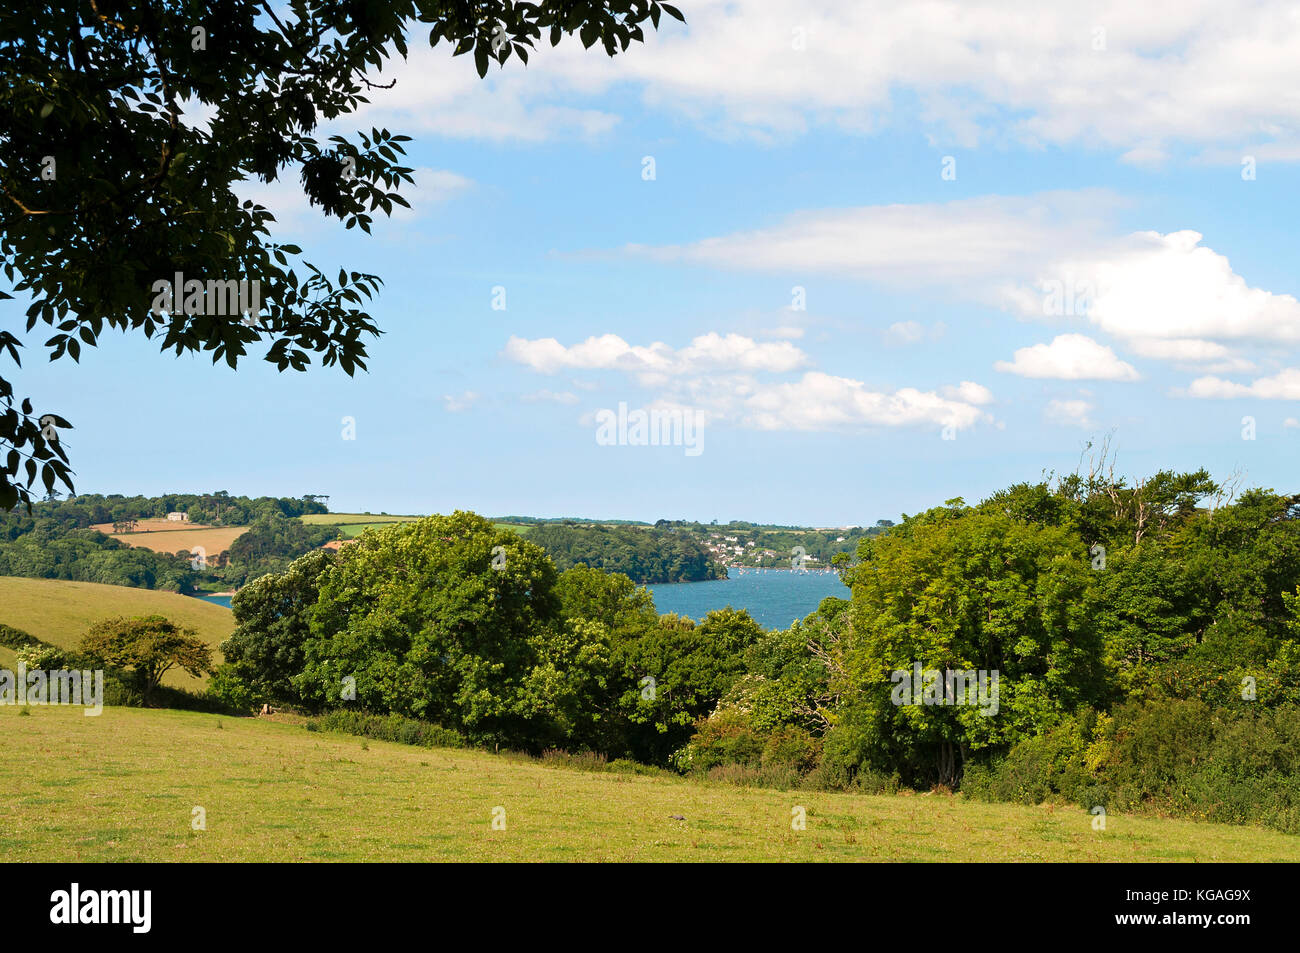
(123, 786)
(368, 519)
(60, 612)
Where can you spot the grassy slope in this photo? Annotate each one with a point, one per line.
(60, 612)
(122, 787)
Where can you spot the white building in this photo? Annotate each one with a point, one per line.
(178, 517)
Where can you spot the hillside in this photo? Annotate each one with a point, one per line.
(127, 782)
(60, 612)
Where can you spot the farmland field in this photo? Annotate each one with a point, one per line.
(60, 612)
(354, 524)
(369, 519)
(124, 787)
(164, 537)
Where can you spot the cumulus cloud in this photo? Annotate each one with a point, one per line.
(657, 361)
(1285, 385)
(1070, 357)
(969, 392)
(1132, 77)
(284, 198)
(1167, 293)
(981, 244)
(821, 401)
(735, 379)
(1052, 257)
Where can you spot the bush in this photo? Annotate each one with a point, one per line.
(1167, 756)
(229, 689)
(12, 638)
(725, 739)
(396, 728)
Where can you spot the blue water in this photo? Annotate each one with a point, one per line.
(774, 597)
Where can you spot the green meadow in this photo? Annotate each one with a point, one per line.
(124, 786)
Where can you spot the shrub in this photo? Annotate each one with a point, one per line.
(396, 728)
(16, 638)
(1164, 755)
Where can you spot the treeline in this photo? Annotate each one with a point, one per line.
(642, 554)
(773, 546)
(216, 509)
(1125, 647)
(44, 548)
(270, 544)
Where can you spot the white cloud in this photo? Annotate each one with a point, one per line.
(1070, 357)
(1170, 293)
(1070, 413)
(1048, 257)
(294, 216)
(657, 361)
(1202, 72)
(825, 402)
(1285, 385)
(969, 392)
(981, 244)
(717, 375)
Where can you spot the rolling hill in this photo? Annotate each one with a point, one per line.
(60, 612)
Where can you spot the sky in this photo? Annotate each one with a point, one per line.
(872, 255)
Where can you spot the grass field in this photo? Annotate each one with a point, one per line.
(339, 519)
(124, 786)
(213, 539)
(60, 612)
(354, 524)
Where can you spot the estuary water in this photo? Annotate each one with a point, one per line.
(774, 597)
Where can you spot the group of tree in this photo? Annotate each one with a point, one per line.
(210, 509)
(1145, 640)
(452, 621)
(643, 554)
(767, 545)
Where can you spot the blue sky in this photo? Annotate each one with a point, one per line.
(795, 146)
